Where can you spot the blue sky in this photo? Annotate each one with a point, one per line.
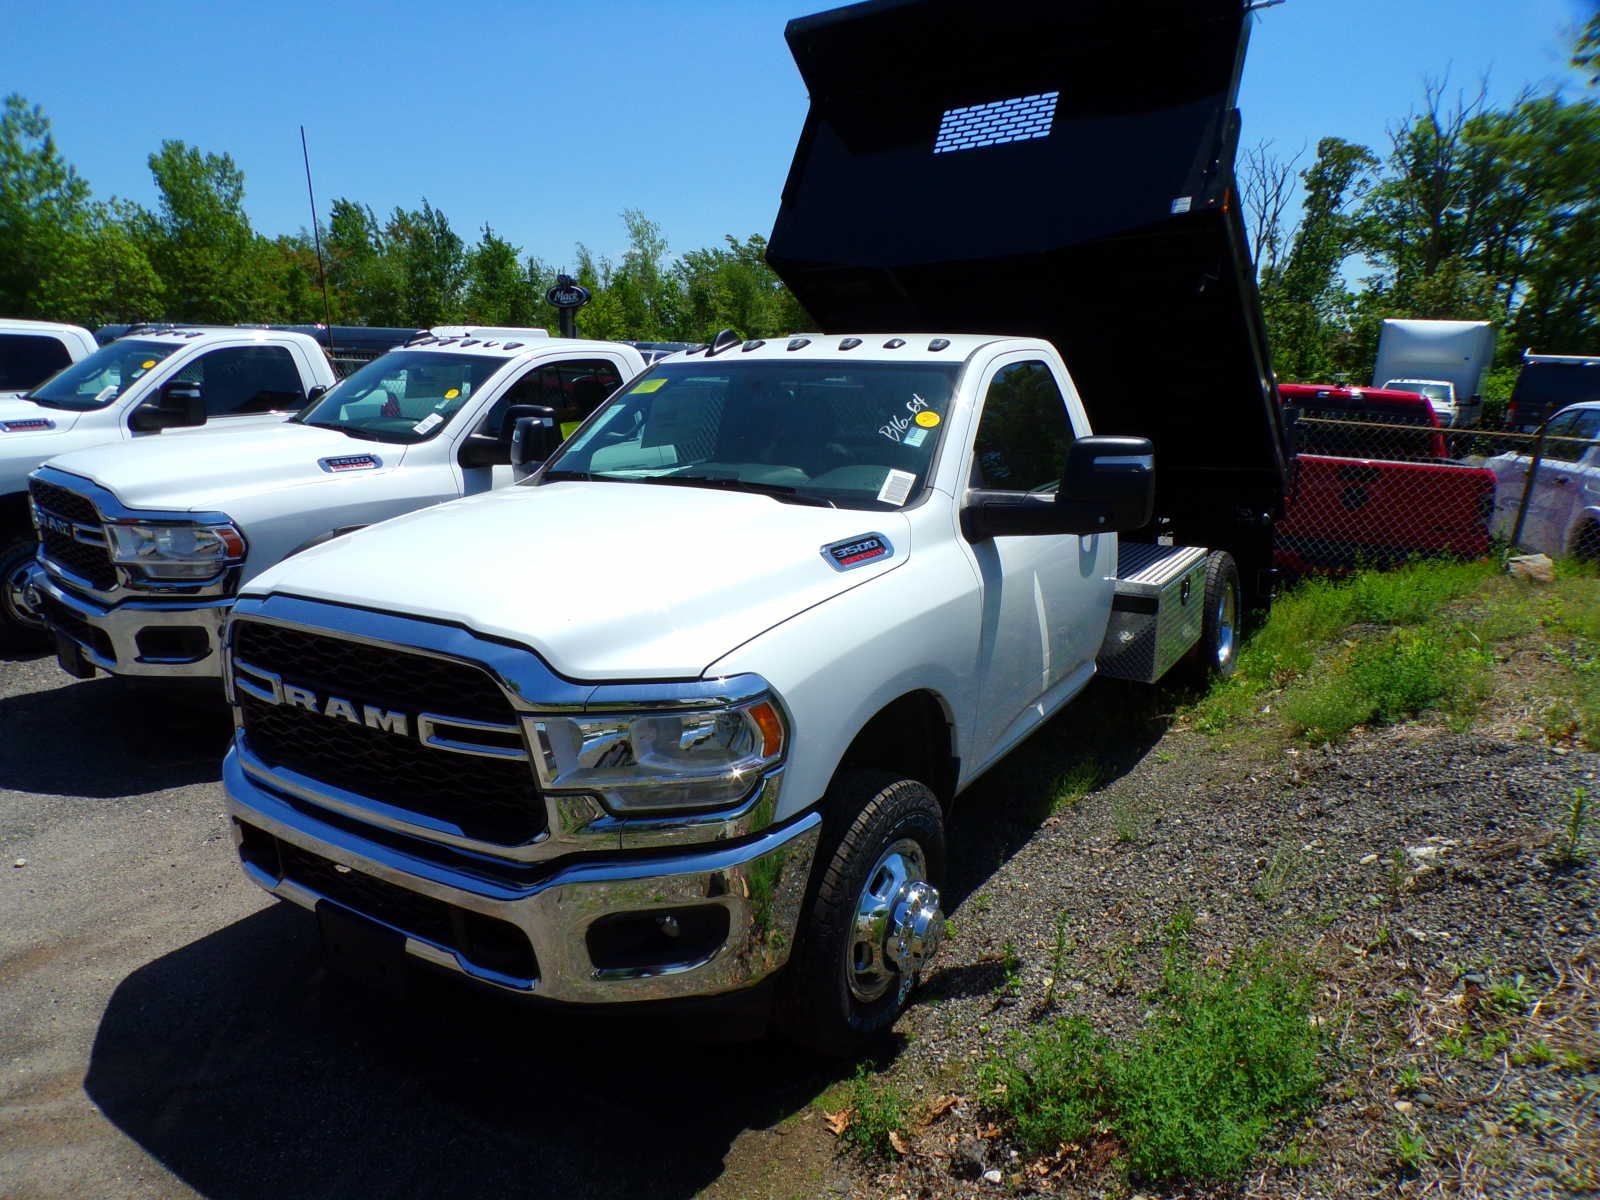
(545, 120)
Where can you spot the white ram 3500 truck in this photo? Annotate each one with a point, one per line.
(182, 380)
(681, 716)
(143, 548)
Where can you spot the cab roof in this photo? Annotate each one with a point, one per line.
(841, 347)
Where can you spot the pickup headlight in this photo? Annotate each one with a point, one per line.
(659, 761)
(177, 551)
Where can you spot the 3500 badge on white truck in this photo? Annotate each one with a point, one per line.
(682, 715)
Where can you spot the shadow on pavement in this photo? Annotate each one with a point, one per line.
(108, 738)
(248, 1071)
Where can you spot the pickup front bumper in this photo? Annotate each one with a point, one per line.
(163, 638)
(587, 929)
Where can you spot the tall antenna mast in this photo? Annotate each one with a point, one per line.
(316, 235)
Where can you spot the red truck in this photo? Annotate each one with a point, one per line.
(1374, 484)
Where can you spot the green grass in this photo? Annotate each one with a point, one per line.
(876, 1110)
(1379, 647)
(1227, 1054)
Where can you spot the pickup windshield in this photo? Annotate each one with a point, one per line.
(856, 435)
(96, 381)
(406, 396)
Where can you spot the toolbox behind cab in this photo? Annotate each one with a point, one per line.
(1054, 169)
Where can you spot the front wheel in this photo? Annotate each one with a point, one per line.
(873, 917)
(20, 627)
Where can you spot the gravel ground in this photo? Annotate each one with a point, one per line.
(1413, 862)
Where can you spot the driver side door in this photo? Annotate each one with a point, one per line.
(1045, 596)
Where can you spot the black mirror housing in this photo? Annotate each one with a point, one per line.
(1107, 486)
(178, 405)
(534, 435)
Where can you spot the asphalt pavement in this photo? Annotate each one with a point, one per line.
(167, 1029)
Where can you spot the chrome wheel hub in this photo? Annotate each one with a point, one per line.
(898, 925)
(1227, 623)
(19, 597)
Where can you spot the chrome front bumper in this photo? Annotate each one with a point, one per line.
(108, 634)
(759, 881)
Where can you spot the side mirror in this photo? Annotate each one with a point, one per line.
(1107, 486)
(496, 450)
(317, 392)
(534, 436)
(178, 405)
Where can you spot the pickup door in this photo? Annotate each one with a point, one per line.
(1046, 598)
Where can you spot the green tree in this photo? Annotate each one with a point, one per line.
(430, 261)
(1303, 295)
(498, 288)
(199, 239)
(44, 208)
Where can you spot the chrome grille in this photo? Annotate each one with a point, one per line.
(89, 562)
(487, 799)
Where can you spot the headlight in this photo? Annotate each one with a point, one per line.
(177, 551)
(644, 762)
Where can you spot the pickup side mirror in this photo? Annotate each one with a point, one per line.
(534, 436)
(496, 449)
(178, 405)
(1107, 486)
(317, 392)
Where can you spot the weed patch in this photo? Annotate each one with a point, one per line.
(1229, 1052)
(874, 1115)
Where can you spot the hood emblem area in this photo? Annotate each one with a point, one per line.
(858, 551)
(338, 464)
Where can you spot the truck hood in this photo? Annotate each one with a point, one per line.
(14, 408)
(603, 580)
(182, 472)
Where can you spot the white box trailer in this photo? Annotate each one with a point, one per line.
(1443, 360)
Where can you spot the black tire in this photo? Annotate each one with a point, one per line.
(1217, 652)
(866, 814)
(19, 628)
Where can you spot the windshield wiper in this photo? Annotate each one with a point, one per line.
(43, 403)
(580, 475)
(778, 491)
(361, 435)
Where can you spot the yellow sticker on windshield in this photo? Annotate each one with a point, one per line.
(649, 385)
(927, 418)
(148, 363)
(452, 393)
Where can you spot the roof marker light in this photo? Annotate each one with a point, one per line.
(512, 346)
(726, 339)
(799, 343)
(469, 342)
(849, 343)
(753, 345)
(939, 344)
(894, 343)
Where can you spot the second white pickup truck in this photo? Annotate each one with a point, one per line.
(143, 548)
(193, 381)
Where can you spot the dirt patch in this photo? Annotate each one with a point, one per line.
(1457, 961)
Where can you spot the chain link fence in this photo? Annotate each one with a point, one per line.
(1374, 490)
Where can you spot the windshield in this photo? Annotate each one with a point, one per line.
(405, 396)
(96, 381)
(1433, 391)
(856, 436)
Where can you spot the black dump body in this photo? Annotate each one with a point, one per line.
(1109, 223)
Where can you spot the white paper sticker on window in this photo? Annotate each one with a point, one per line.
(896, 487)
(105, 393)
(915, 436)
(428, 423)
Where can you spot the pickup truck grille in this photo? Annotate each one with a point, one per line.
(492, 800)
(91, 563)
